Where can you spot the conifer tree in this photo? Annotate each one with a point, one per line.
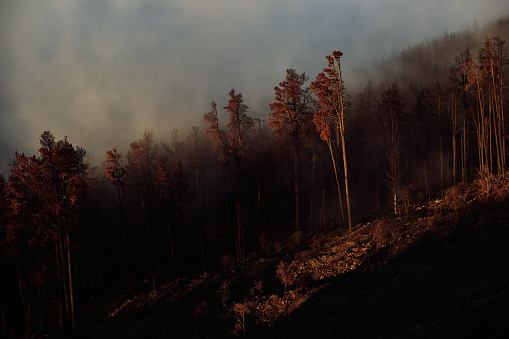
(290, 118)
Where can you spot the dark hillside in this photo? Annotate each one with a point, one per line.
(450, 284)
(439, 272)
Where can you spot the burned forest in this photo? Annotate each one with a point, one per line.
(250, 223)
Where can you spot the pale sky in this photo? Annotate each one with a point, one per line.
(101, 72)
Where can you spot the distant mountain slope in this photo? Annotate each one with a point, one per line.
(430, 60)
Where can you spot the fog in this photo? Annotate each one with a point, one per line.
(101, 72)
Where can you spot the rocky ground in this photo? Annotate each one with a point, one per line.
(438, 271)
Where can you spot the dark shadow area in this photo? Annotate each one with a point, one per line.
(451, 284)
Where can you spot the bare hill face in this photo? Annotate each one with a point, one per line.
(438, 271)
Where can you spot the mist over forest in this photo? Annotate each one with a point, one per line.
(78, 227)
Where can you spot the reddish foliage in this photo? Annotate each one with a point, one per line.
(215, 132)
(285, 274)
(238, 127)
(329, 88)
(290, 115)
(44, 200)
(481, 72)
(471, 69)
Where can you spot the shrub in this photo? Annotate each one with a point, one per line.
(240, 311)
(285, 274)
(455, 198)
(318, 241)
(404, 194)
(485, 181)
(501, 189)
(386, 232)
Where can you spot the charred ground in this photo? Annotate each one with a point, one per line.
(438, 271)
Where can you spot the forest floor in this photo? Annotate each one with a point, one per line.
(439, 271)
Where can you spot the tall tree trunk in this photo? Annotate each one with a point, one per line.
(59, 274)
(23, 301)
(503, 135)
(296, 189)
(202, 250)
(172, 252)
(337, 181)
(197, 172)
(149, 249)
(71, 294)
(464, 151)
(347, 194)
(139, 242)
(426, 177)
(311, 193)
(453, 139)
(440, 143)
(63, 278)
(29, 317)
(40, 307)
(227, 199)
(4, 325)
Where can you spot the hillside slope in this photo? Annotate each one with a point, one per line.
(440, 271)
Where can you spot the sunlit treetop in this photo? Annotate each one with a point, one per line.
(329, 89)
(290, 112)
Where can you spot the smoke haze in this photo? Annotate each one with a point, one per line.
(101, 72)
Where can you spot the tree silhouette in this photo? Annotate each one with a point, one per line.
(393, 175)
(142, 163)
(239, 126)
(166, 196)
(215, 134)
(62, 176)
(116, 172)
(46, 196)
(290, 119)
(459, 80)
(194, 138)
